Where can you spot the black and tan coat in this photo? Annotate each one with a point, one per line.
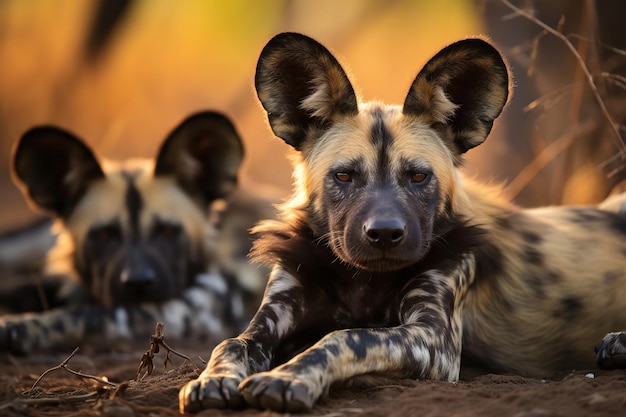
(389, 261)
(138, 239)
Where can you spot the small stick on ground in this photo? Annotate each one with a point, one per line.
(157, 340)
(63, 365)
(49, 400)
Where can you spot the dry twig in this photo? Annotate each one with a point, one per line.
(27, 402)
(157, 340)
(63, 365)
(544, 157)
(589, 77)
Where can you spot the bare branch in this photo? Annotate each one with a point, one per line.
(544, 157)
(617, 80)
(552, 97)
(613, 49)
(590, 79)
(49, 400)
(54, 368)
(63, 365)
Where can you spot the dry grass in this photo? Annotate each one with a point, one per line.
(593, 130)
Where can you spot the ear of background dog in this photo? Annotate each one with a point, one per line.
(302, 87)
(53, 168)
(204, 154)
(462, 89)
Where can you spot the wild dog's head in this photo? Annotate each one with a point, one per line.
(138, 227)
(376, 180)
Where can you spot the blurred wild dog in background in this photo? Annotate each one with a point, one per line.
(139, 241)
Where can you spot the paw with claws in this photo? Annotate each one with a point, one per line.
(275, 390)
(611, 353)
(215, 391)
(279, 391)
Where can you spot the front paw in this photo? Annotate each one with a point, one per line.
(279, 391)
(611, 352)
(211, 391)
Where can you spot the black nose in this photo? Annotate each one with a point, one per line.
(137, 278)
(384, 233)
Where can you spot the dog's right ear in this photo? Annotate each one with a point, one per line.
(53, 169)
(302, 87)
(203, 154)
(461, 91)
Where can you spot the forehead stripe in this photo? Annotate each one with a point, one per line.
(134, 205)
(381, 138)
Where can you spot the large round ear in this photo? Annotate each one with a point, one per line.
(462, 89)
(203, 154)
(53, 169)
(302, 87)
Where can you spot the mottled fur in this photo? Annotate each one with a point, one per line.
(388, 261)
(138, 239)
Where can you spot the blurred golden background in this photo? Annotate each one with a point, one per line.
(122, 73)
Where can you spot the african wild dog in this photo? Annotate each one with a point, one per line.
(389, 261)
(138, 241)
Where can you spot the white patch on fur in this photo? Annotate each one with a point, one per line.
(197, 297)
(285, 319)
(213, 281)
(280, 281)
(119, 328)
(421, 355)
(396, 353)
(174, 314)
(206, 306)
(442, 108)
(329, 87)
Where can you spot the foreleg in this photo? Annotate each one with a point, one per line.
(427, 344)
(235, 359)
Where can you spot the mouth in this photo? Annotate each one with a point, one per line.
(373, 260)
(383, 264)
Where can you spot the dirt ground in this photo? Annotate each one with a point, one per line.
(59, 393)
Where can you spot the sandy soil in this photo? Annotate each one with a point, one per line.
(59, 393)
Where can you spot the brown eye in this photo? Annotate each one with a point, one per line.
(166, 231)
(343, 177)
(418, 177)
(106, 233)
(103, 234)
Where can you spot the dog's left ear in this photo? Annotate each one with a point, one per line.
(54, 169)
(461, 90)
(204, 154)
(302, 87)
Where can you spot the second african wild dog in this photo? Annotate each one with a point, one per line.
(388, 261)
(138, 241)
